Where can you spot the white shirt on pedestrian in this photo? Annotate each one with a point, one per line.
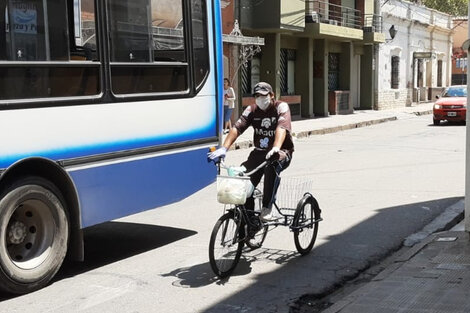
(230, 99)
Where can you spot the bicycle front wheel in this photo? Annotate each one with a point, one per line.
(225, 246)
(305, 224)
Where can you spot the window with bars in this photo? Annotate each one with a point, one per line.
(287, 71)
(439, 73)
(420, 72)
(333, 71)
(250, 76)
(395, 81)
(245, 74)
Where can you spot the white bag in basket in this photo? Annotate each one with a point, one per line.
(233, 190)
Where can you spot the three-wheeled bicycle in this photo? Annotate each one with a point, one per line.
(239, 225)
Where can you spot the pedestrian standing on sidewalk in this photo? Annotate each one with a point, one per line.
(229, 105)
(272, 139)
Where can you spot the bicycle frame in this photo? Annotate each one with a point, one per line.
(242, 219)
(285, 219)
(246, 225)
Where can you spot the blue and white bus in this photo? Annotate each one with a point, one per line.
(105, 107)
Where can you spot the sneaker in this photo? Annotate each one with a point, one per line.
(266, 214)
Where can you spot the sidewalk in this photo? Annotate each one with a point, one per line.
(335, 123)
(433, 276)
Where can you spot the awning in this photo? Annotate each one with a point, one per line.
(243, 40)
(236, 37)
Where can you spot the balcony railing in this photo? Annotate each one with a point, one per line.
(318, 11)
(321, 11)
(373, 23)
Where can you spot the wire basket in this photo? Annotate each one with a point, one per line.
(291, 190)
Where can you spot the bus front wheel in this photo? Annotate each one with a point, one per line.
(34, 232)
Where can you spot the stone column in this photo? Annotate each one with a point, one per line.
(304, 76)
(367, 78)
(346, 76)
(271, 60)
(320, 78)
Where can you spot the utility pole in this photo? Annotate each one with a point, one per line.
(467, 150)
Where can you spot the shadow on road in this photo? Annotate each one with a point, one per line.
(448, 123)
(113, 241)
(338, 259)
(201, 274)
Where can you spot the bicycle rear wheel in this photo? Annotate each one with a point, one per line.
(225, 246)
(305, 229)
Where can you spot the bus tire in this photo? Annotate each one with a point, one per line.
(34, 234)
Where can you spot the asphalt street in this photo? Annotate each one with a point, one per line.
(376, 186)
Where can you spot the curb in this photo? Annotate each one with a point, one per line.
(327, 130)
(446, 220)
(244, 144)
(418, 113)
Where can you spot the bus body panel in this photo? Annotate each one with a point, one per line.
(79, 131)
(106, 109)
(216, 32)
(119, 189)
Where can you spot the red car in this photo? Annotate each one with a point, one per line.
(451, 105)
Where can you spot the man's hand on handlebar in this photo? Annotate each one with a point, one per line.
(217, 155)
(272, 152)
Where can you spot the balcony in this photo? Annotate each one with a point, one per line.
(325, 19)
(273, 15)
(318, 11)
(373, 29)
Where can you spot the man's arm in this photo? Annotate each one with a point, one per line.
(279, 137)
(231, 137)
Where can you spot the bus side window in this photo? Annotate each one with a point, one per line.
(200, 42)
(168, 31)
(83, 26)
(34, 30)
(129, 30)
(43, 30)
(147, 44)
(58, 31)
(3, 29)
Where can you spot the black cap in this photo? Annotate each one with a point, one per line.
(262, 88)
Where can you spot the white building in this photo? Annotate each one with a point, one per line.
(416, 64)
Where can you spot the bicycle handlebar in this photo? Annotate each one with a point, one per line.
(221, 164)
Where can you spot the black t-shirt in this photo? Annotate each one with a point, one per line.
(265, 124)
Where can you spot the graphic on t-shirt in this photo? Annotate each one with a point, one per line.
(266, 122)
(263, 143)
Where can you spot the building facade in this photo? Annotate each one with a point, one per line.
(416, 64)
(237, 48)
(319, 55)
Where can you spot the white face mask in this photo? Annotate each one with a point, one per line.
(263, 102)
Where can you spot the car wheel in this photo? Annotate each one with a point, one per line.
(436, 122)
